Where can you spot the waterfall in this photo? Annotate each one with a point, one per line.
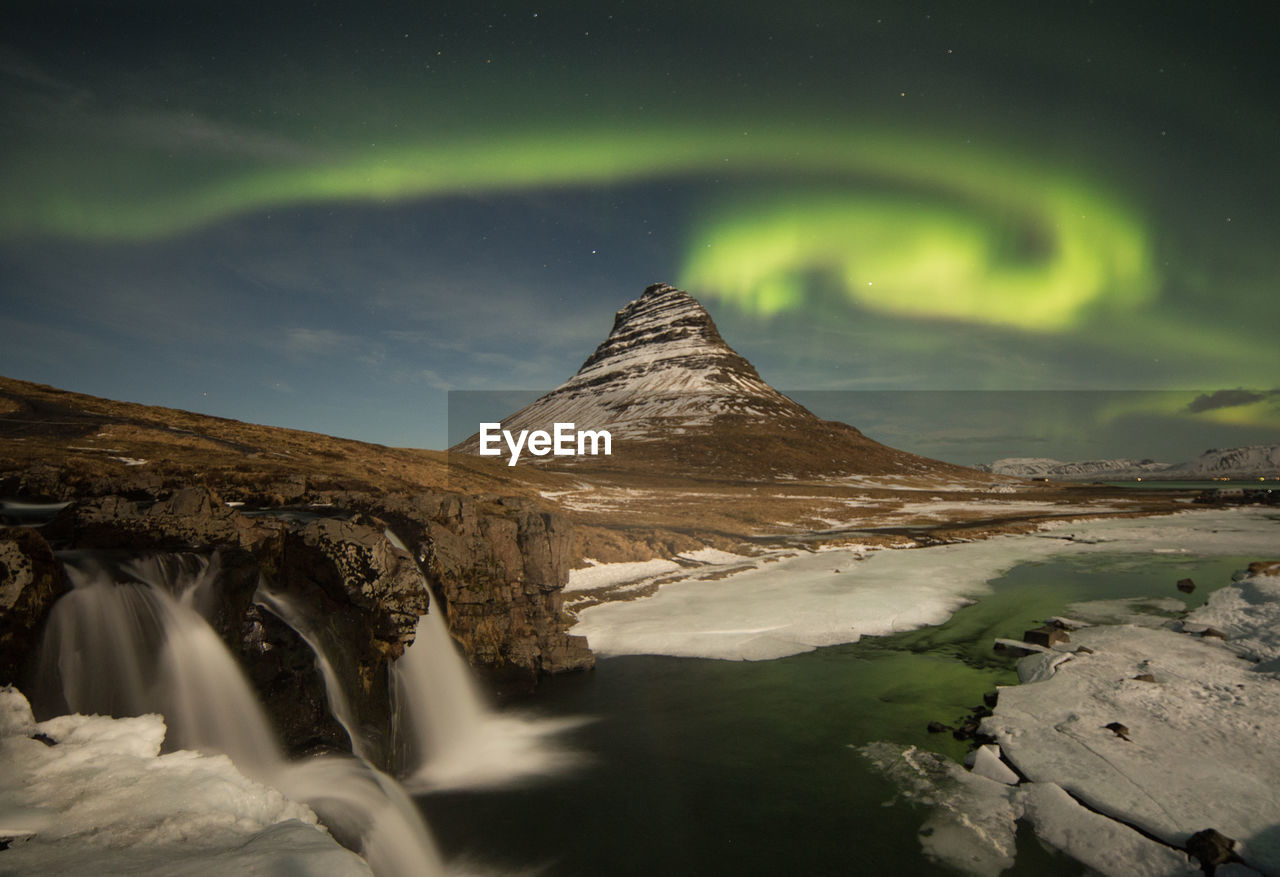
(448, 737)
(129, 640)
(140, 646)
(445, 735)
(313, 633)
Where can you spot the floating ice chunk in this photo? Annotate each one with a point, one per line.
(987, 763)
(1066, 623)
(972, 827)
(1017, 646)
(1037, 668)
(1104, 845)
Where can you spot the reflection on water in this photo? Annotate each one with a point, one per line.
(716, 767)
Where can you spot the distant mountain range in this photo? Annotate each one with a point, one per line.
(680, 401)
(1253, 461)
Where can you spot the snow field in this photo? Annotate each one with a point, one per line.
(838, 596)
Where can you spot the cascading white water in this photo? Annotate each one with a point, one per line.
(139, 646)
(446, 735)
(357, 802)
(434, 684)
(304, 625)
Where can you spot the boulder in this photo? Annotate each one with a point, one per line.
(1211, 848)
(31, 579)
(1186, 586)
(1120, 730)
(1046, 636)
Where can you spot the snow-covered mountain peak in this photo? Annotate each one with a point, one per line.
(679, 402)
(663, 367)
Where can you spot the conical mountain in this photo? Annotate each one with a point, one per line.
(678, 400)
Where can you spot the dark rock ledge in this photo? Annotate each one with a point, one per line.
(498, 566)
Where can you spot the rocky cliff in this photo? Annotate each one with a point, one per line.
(497, 565)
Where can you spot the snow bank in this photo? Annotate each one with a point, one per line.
(1248, 612)
(601, 575)
(832, 597)
(1215, 532)
(797, 604)
(104, 801)
(715, 555)
(1194, 749)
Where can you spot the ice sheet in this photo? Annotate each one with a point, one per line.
(1197, 748)
(833, 597)
(1102, 844)
(102, 801)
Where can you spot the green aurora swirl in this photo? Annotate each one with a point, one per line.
(918, 227)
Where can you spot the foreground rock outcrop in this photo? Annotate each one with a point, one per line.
(31, 579)
(497, 565)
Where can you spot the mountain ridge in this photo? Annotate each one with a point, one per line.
(1246, 461)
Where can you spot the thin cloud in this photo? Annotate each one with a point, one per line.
(302, 341)
(1227, 399)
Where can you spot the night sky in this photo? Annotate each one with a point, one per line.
(325, 216)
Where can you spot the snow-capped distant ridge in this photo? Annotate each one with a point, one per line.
(1251, 461)
(1043, 467)
(664, 366)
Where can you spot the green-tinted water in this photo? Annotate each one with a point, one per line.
(712, 767)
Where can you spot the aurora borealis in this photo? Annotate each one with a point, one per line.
(325, 215)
